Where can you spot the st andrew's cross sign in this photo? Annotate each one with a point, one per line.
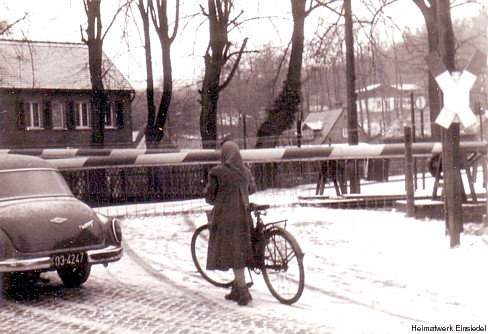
(456, 87)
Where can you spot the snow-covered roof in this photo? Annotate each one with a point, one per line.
(52, 65)
(322, 122)
(398, 87)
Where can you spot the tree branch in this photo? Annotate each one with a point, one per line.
(177, 20)
(153, 16)
(234, 67)
(422, 6)
(218, 6)
(127, 3)
(318, 4)
(7, 28)
(83, 39)
(203, 11)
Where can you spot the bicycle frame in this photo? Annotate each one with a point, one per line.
(278, 257)
(261, 225)
(262, 229)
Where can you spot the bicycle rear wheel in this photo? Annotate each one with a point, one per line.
(199, 247)
(283, 266)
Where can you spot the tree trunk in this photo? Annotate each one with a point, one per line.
(213, 68)
(160, 21)
(451, 157)
(94, 42)
(167, 91)
(151, 108)
(432, 25)
(285, 108)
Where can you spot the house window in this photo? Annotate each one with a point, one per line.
(82, 115)
(34, 115)
(344, 133)
(406, 103)
(58, 115)
(110, 116)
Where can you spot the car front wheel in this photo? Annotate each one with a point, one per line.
(74, 277)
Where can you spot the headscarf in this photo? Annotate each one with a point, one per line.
(231, 157)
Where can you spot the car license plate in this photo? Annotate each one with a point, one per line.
(68, 260)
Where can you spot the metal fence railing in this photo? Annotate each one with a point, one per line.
(163, 186)
(144, 182)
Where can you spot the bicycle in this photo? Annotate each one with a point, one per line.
(277, 255)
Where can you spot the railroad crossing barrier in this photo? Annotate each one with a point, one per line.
(107, 177)
(67, 159)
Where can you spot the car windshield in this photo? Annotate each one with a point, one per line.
(32, 183)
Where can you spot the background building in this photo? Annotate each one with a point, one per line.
(46, 97)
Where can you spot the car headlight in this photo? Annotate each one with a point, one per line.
(116, 231)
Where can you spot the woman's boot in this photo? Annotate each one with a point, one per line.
(234, 293)
(244, 296)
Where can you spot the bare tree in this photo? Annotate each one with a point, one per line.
(432, 25)
(451, 157)
(94, 41)
(217, 54)
(285, 107)
(251, 90)
(159, 16)
(151, 108)
(450, 138)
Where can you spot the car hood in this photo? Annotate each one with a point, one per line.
(46, 224)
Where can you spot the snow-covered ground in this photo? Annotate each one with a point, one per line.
(367, 271)
(283, 198)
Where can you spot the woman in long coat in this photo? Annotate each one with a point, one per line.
(228, 188)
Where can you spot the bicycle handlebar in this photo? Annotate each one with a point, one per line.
(257, 207)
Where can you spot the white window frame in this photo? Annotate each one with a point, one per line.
(62, 115)
(406, 103)
(34, 115)
(110, 117)
(82, 114)
(379, 104)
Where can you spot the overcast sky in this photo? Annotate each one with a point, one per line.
(60, 20)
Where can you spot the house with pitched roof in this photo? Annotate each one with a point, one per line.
(46, 97)
(327, 127)
(380, 106)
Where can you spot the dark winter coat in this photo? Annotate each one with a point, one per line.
(230, 244)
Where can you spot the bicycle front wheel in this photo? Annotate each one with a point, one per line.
(199, 247)
(283, 266)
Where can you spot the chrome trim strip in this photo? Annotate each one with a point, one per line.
(28, 169)
(104, 255)
(25, 265)
(108, 254)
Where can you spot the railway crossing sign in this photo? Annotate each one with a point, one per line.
(456, 87)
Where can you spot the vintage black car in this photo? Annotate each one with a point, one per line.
(43, 227)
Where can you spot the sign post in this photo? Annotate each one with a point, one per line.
(409, 170)
(412, 111)
(455, 88)
(420, 104)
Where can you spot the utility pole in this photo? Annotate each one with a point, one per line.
(455, 87)
(352, 113)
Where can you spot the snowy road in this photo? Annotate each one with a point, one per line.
(366, 271)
